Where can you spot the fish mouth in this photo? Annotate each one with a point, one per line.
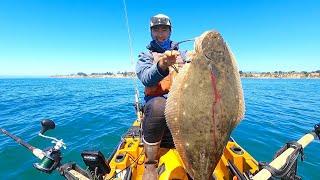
(212, 46)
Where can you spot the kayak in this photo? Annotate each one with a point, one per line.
(128, 160)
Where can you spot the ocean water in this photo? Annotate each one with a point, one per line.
(94, 113)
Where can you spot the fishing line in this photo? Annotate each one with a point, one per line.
(176, 45)
(130, 48)
(180, 42)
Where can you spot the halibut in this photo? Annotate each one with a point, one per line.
(205, 103)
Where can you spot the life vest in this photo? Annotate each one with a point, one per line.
(164, 85)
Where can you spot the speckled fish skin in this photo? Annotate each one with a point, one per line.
(205, 103)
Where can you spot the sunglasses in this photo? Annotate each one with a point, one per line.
(160, 21)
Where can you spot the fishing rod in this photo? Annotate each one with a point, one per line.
(137, 104)
(284, 163)
(51, 157)
(35, 151)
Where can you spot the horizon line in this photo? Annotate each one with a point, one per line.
(55, 74)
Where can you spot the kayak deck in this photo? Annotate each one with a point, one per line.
(128, 160)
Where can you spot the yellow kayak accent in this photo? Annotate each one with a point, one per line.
(128, 160)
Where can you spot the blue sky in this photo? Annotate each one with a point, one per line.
(47, 37)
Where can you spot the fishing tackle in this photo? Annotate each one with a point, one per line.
(50, 157)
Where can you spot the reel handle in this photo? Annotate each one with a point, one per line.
(46, 125)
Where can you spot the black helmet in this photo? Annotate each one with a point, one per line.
(160, 19)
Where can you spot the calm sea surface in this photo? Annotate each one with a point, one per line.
(94, 113)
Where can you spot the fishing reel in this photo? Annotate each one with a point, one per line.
(52, 155)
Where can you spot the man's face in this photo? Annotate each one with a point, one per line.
(160, 33)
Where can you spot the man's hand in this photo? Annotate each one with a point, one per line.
(167, 59)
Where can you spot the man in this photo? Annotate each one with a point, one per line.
(154, 69)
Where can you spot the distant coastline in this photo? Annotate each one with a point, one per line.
(262, 75)
(281, 74)
(98, 75)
